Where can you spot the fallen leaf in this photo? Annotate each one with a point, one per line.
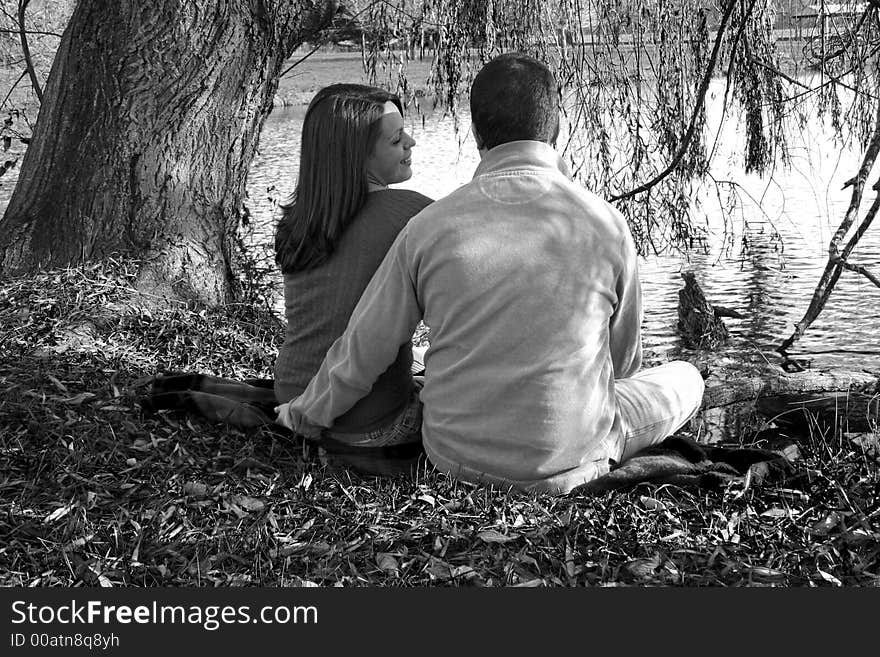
(196, 489)
(532, 583)
(439, 569)
(251, 504)
(776, 512)
(387, 562)
(641, 568)
(826, 524)
(651, 503)
(492, 536)
(58, 513)
(760, 572)
(828, 577)
(77, 399)
(57, 383)
(320, 548)
(463, 572)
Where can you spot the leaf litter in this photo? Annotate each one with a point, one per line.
(95, 492)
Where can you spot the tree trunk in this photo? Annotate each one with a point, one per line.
(151, 117)
(699, 325)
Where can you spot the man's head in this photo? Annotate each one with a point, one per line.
(514, 97)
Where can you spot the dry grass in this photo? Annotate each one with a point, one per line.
(92, 492)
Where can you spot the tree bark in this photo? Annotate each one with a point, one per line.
(151, 117)
(699, 325)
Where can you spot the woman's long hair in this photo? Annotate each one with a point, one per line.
(340, 128)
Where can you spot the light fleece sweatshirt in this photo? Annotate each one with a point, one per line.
(530, 286)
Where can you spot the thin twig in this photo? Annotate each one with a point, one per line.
(300, 60)
(318, 46)
(41, 32)
(12, 88)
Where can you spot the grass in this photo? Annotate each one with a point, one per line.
(95, 493)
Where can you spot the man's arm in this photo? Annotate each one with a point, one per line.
(383, 320)
(625, 327)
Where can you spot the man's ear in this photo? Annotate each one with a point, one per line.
(479, 140)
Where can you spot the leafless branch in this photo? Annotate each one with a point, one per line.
(317, 47)
(22, 9)
(8, 31)
(12, 88)
(837, 259)
(860, 269)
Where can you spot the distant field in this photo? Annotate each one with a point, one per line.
(324, 68)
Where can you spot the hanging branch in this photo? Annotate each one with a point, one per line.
(701, 100)
(22, 8)
(837, 259)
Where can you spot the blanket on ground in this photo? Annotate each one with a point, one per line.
(682, 461)
(247, 404)
(678, 460)
(250, 404)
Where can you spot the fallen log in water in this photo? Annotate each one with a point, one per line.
(848, 399)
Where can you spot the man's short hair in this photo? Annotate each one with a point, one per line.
(515, 97)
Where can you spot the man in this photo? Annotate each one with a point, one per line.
(530, 286)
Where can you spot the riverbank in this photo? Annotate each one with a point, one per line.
(95, 492)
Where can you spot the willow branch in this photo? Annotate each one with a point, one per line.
(22, 8)
(701, 101)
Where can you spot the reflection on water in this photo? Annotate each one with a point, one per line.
(786, 225)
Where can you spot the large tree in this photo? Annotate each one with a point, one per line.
(150, 119)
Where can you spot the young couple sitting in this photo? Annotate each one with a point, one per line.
(528, 282)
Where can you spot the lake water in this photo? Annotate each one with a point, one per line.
(770, 285)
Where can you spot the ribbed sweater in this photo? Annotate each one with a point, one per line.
(318, 304)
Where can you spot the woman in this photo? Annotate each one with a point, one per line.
(333, 234)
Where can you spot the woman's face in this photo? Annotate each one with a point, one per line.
(391, 160)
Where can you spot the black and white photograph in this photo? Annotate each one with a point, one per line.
(299, 295)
